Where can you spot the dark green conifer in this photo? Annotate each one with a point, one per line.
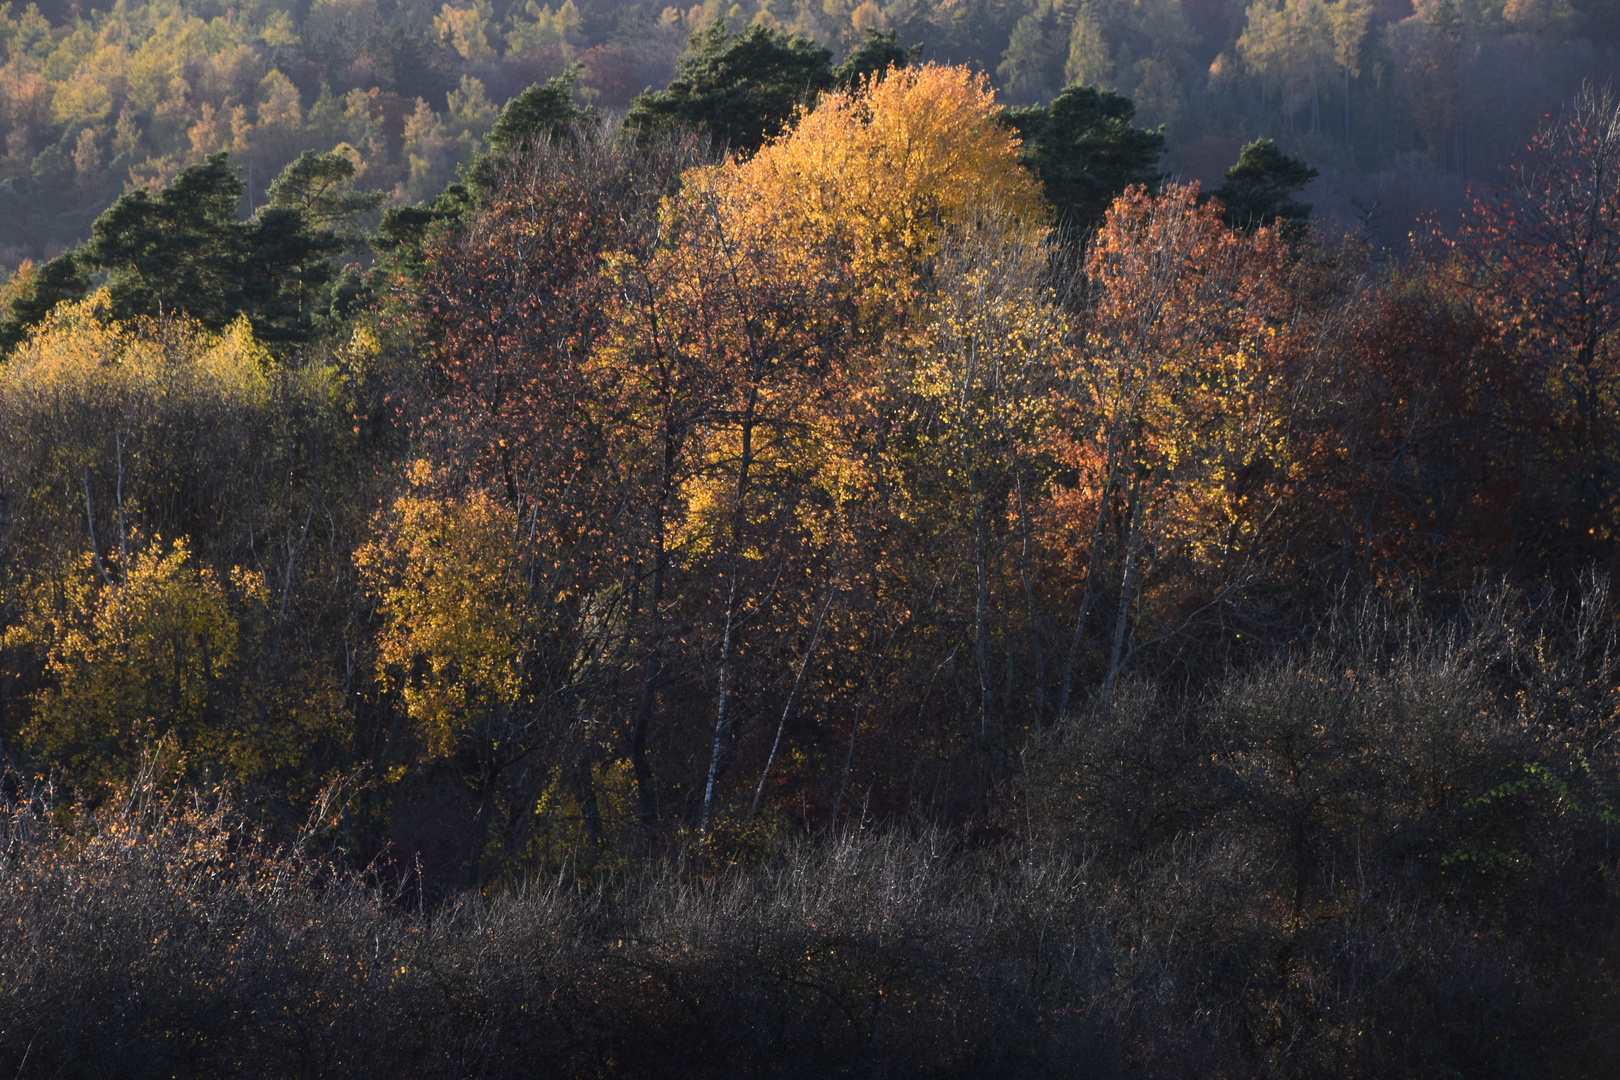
(545, 110)
(178, 250)
(741, 89)
(1086, 152)
(1259, 188)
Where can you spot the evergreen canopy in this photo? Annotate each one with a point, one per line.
(1259, 188)
(743, 89)
(1086, 152)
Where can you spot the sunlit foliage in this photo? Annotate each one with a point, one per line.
(450, 581)
(879, 172)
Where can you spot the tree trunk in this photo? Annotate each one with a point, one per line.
(787, 709)
(980, 617)
(646, 792)
(646, 797)
(1347, 105)
(486, 810)
(720, 716)
(739, 515)
(1127, 587)
(1093, 568)
(1029, 600)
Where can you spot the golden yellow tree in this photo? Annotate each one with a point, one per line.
(723, 350)
(449, 578)
(880, 173)
(140, 646)
(798, 270)
(979, 385)
(457, 642)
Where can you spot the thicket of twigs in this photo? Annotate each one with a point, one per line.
(1307, 868)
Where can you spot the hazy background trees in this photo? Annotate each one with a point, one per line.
(1396, 104)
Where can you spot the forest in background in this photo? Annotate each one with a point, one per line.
(1397, 108)
(824, 572)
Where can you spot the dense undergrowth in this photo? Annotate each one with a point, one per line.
(1388, 854)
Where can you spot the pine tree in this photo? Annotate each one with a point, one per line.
(1259, 188)
(742, 90)
(1086, 152)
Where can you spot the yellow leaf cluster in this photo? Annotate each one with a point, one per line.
(79, 352)
(882, 172)
(145, 649)
(449, 575)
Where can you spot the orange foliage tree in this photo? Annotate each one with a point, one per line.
(1182, 432)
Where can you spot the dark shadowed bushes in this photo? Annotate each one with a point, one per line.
(1384, 856)
(1390, 854)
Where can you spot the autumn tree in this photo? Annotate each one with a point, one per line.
(1428, 50)
(884, 179)
(516, 411)
(983, 383)
(883, 172)
(140, 646)
(458, 644)
(1425, 465)
(678, 410)
(1182, 432)
(748, 331)
(1543, 253)
(1291, 47)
